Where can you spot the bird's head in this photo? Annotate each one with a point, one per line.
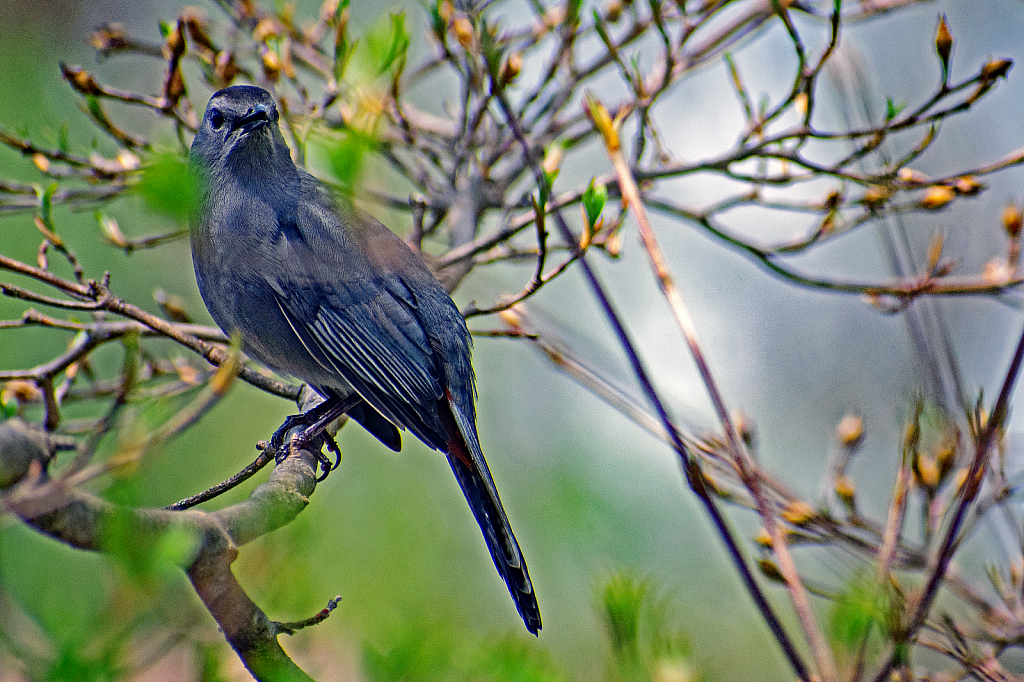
(240, 124)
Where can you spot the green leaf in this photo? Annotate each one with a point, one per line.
(148, 555)
(546, 186)
(572, 14)
(168, 186)
(892, 110)
(594, 199)
(347, 155)
(63, 141)
(343, 47)
(863, 607)
(8, 408)
(391, 48)
(46, 203)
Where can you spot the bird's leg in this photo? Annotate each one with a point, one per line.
(315, 421)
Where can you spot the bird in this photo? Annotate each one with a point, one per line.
(321, 291)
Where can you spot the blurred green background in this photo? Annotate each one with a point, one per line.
(589, 494)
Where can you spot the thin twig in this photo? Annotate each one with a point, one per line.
(631, 195)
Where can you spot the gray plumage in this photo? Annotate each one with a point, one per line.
(326, 294)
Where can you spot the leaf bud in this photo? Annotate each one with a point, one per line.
(81, 80)
(464, 33)
(846, 492)
(912, 178)
(798, 513)
(850, 430)
(511, 68)
(943, 43)
(997, 68)
(1012, 219)
(875, 196)
(968, 185)
(937, 197)
(770, 570)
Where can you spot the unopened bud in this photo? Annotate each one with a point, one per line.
(850, 430)
(271, 65)
(770, 570)
(997, 271)
(22, 391)
(943, 43)
(613, 244)
(1016, 575)
(602, 120)
(49, 234)
(127, 160)
(446, 11)
(512, 317)
(935, 251)
(463, 29)
(713, 487)
(762, 538)
(175, 46)
(552, 158)
(109, 37)
(960, 478)
(926, 472)
(876, 195)
(832, 200)
(226, 374)
(287, 66)
(174, 87)
(81, 80)
(801, 102)
(997, 68)
(945, 458)
(226, 68)
(266, 28)
(846, 492)
(173, 306)
(112, 231)
(511, 68)
(745, 429)
(195, 22)
(937, 197)
(912, 177)
(1012, 219)
(798, 513)
(968, 186)
(186, 372)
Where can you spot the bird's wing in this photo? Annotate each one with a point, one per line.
(365, 326)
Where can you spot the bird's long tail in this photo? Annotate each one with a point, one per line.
(470, 467)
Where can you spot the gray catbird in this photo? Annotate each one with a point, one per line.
(323, 292)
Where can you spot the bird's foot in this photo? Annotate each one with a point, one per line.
(306, 439)
(315, 422)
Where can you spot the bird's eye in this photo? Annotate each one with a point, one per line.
(216, 119)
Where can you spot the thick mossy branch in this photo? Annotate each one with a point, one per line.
(85, 521)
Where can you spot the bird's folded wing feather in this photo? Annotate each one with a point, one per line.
(365, 329)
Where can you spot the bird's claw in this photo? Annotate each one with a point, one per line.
(325, 463)
(301, 441)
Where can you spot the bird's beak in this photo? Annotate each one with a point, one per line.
(257, 117)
